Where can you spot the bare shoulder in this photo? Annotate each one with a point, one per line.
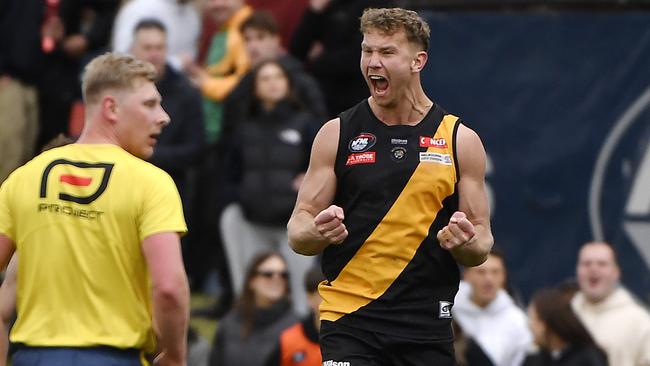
(326, 141)
(319, 185)
(330, 131)
(470, 151)
(466, 136)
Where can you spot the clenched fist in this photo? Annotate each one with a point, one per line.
(329, 224)
(458, 232)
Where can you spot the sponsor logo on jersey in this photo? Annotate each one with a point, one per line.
(399, 141)
(439, 143)
(445, 309)
(363, 142)
(431, 157)
(69, 211)
(398, 153)
(78, 182)
(361, 158)
(75, 180)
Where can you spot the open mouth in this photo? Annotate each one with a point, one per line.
(379, 84)
(594, 281)
(154, 137)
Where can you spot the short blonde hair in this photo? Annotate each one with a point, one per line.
(113, 71)
(392, 20)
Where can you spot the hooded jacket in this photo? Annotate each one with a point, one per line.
(619, 325)
(500, 328)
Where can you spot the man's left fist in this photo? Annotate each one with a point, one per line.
(458, 232)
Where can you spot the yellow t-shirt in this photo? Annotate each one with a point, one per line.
(78, 215)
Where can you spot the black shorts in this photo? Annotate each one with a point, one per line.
(346, 346)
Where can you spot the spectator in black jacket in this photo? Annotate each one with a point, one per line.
(467, 351)
(561, 337)
(85, 33)
(329, 41)
(21, 62)
(262, 41)
(268, 155)
(88, 25)
(180, 143)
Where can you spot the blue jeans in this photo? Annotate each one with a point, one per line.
(71, 356)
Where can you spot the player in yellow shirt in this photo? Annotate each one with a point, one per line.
(96, 230)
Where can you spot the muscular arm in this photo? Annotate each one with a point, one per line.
(316, 194)
(7, 307)
(170, 294)
(471, 237)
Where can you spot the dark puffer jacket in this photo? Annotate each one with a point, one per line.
(267, 152)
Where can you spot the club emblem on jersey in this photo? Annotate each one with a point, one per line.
(363, 142)
(439, 143)
(79, 182)
(398, 153)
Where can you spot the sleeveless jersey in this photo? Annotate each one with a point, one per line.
(397, 187)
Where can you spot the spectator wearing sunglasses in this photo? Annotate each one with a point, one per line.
(298, 344)
(247, 335)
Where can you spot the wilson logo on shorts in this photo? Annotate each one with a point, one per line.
(76, 181)
(335, 363)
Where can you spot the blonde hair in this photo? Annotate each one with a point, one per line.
(392, 20)
(113, 71)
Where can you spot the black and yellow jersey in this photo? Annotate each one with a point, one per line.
(397, 187)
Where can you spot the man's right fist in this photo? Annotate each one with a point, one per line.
(329, 224)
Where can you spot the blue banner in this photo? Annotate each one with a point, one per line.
(562, 103)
